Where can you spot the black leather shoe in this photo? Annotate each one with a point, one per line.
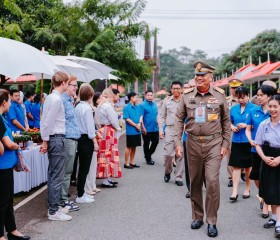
(167, 177)
(233, 199)
(128, 166)
(188, 195)
(243, 177)
(270, 224)
(134, 165)
(150, 162)
(277, 232)
(212, 231)
(196, 224)
(13, 237)
(265, 215)
(113, 182)
(246, 196)
(179, 183)
(230, 183)
(108, 185)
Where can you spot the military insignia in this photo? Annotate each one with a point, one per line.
(212, 117)
(192, 100)
(213, 100)
(188, 90)
(198, 67)
(219, 90)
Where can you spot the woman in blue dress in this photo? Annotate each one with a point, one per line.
(7, 162)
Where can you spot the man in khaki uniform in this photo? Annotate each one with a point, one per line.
(232, 100)
(166, 118)
(207, 144)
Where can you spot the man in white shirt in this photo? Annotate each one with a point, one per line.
(53, 129)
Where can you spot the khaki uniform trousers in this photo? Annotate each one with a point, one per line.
(204, 159)
(169, 154)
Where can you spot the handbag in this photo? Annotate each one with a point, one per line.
(21, 164)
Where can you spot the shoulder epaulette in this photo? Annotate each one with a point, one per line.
(188, 90)
(228, 97)
(219, 90)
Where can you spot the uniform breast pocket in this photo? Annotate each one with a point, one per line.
(190, 111)
(170, 109)
(213, 112)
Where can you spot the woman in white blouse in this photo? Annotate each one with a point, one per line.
(108, 161)
(87, 143)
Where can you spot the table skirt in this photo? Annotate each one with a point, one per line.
(38, 163)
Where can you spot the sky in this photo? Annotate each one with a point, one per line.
(214, 26)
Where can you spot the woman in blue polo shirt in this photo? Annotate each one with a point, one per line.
(240, 149)
(7, 162)
(256, 116)
(133, 118)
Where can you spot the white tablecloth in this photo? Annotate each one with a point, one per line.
(38, 164)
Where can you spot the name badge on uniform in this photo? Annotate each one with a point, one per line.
(212, 117)
(200, 114)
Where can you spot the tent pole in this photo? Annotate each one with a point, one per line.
(41, 94)
(251, 90)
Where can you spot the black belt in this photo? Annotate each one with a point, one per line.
(202, 138)
(57, 135)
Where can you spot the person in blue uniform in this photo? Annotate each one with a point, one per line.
(133, 119)
(28, 106)
(15, 116)
(35, 111)
(256, 116)
(150, 126)
(241, 148)
(7, 162)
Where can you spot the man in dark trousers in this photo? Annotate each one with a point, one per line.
(149, 126)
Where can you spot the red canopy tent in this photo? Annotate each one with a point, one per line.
(23, 79)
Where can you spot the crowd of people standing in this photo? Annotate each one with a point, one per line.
(198, 124)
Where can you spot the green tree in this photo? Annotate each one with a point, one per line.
(98, 29)
(265, 42)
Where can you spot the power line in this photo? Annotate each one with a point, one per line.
(260, 18)
(268, 14)
(215, 11)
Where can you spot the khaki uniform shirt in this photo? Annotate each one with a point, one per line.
(167, 112)
(216, 115)
(231, 101)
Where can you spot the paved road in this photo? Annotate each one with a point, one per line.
(144, 207)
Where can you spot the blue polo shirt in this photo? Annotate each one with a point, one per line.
(35, 111)
(133, 112)
(72, 129)
(9, 158)
(255, 117)
(28, 107)
(16, 112)
(150, 112)
(237, 117)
